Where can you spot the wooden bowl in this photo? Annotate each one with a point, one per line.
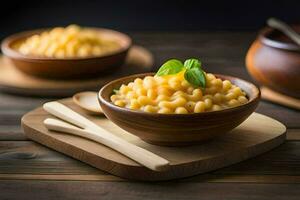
(273, 60)
(67, 68)
(177, 129)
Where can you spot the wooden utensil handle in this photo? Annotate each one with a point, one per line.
(275, 23)
(136, 153)
(63, 112)
(279, 98)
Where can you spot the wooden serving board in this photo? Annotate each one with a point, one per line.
(256, 135)
(276, 97)
(12, 80)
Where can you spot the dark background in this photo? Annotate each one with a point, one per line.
(146, 15)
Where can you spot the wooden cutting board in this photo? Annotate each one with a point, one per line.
(139, 60)
(256, 135)
(276, 97)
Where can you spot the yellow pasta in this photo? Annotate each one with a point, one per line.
(120, 103)
(181, 110)
(218, 97)
(242, 99)
(162, 97)
(149, 108)
(141, 91)
(134, 104)
(216, 107)
(199, 107)
(207, 103)
(144, 100)
(190, 106)
(165, 111)
(72, 41)
(131, 95)
(233, 103)
(172, 94)
(151, 93)
(114, 97)
(125, 89)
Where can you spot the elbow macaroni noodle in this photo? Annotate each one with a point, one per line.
(68, 42)
(173, 94)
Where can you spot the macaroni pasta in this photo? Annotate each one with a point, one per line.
(173, 94)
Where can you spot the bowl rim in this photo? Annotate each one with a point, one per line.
(264, 37)
(13, 53)
(256, 98)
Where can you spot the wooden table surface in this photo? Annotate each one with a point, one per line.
(31, 171)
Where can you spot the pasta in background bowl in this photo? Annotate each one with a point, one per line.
(70, 52)
(69, 42)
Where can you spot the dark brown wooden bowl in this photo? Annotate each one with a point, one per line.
(67, 68)
(273, 60)
(177, 129)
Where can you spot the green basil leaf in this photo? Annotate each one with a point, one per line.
(196, 77)
(192, 63)
(172, 66)
(115, 91)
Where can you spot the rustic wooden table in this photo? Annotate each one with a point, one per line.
(31, 171)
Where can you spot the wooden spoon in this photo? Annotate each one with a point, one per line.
(88, 129)
(88, 101)
(286, 29)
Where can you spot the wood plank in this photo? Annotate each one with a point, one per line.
(11, 132)
(209, 46)
(242, 178)
(28, 160)
(284, 160)
(14, 133)
(26, 157)
(65, 177)
(45, 190)
(13, 103)
(293, 134)
(287, 116)
(9, 118)
(207, 178)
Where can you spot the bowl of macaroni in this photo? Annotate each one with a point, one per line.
(67, 52)
(173, 110)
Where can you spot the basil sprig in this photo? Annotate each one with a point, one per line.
(193, 71)
(172, 66)
(192, 63)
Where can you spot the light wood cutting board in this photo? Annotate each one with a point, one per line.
(276, 97)
(256, 135)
